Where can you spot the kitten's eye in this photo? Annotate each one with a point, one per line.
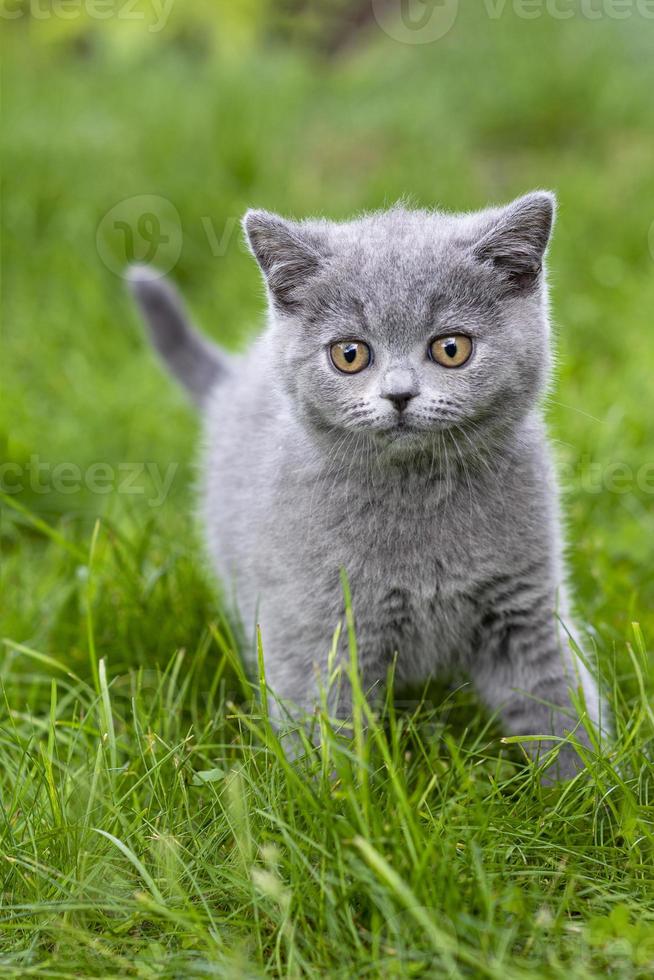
(350, 356)
(451, 351)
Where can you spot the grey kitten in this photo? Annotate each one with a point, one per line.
(387, 422)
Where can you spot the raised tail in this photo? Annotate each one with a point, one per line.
(195, 362)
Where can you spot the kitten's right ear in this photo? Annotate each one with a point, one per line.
(288, 253)
(517, 239)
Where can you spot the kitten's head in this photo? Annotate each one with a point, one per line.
(404, 324)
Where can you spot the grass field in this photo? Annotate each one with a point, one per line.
(150, 825)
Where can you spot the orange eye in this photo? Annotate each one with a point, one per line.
(350, 356)
(451, 351)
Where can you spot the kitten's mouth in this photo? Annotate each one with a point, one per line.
(422, 425)
(401, 425)
(406, 431)
(402, 429)
(404, 425)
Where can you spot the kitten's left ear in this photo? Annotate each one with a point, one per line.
(517, 240)
(289, 254)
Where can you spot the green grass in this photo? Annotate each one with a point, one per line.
(149, 824)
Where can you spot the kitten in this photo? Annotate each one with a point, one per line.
(387, 422)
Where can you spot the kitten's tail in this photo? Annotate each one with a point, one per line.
(194, 361)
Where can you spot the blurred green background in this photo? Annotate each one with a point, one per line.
(146, 132)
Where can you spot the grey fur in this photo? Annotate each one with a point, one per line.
(196, 363)
(444, 515)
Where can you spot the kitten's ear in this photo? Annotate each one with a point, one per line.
(516, 241)
(288, 253)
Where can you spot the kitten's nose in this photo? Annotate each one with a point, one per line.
(399, 387)
(400, 401)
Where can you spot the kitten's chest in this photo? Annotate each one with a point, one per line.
(414, 523)
(418, 578)
(411, 555)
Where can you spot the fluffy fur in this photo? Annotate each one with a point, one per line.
(431, 486)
